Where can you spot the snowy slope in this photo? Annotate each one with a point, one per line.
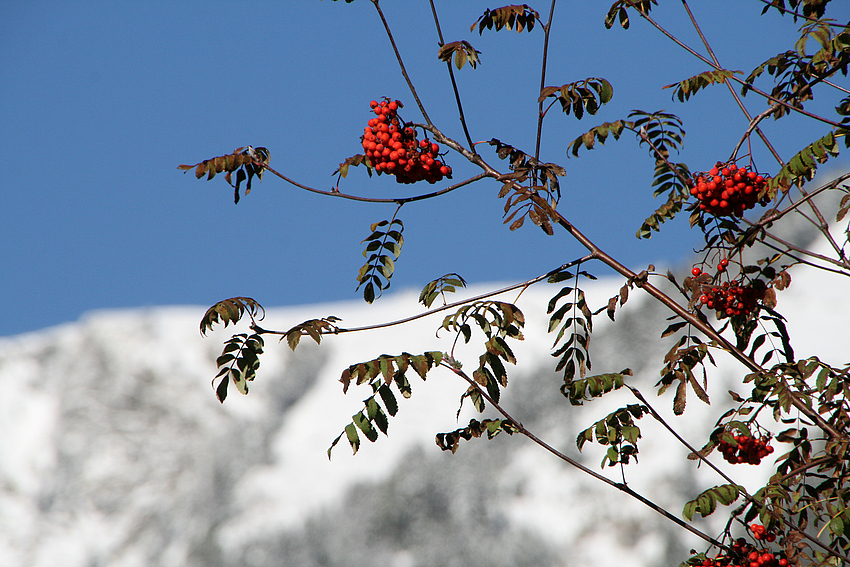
(117, 453)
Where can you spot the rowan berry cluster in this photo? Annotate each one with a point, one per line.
(392, 147)
(745, 554)
(761, 533)
(748, 450)
(733, 298)
(728, 190)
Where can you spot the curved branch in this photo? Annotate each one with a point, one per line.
(396, 200)
(754, 122)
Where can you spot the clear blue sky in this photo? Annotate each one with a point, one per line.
(100, 101)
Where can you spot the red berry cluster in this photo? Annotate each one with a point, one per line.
(728, 190)
(749, 450)
(394, 149)
(745, 555)
(761, 533)
(733, 298)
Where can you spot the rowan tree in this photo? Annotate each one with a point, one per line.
(791, 414)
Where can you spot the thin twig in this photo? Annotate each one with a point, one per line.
(783, 11)
(842, 89)
(540, 114)
(754, 122)
(454, 83)
(397, 200)
(401, 62)
(458, 303)
(729, 85)
(788, 247)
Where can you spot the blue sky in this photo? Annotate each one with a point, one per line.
(100, 101)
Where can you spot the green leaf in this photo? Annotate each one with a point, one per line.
(364, 425)
(507, 17)
(230, 311)
(382, 252)
(706, 503)
(353, 438)
(600, 133)
(389, 399)
(463, 52)
(684, 89)
(439, 287)
(580, 96)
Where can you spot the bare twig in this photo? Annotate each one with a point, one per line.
(398, 200)
(729, 86)
(454, 83)
(401, 62)
(458, 303)
(547, 27)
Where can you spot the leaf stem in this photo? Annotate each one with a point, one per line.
(783, 10)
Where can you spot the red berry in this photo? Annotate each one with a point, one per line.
(696, 271)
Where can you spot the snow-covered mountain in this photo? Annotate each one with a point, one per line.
(116, 452)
